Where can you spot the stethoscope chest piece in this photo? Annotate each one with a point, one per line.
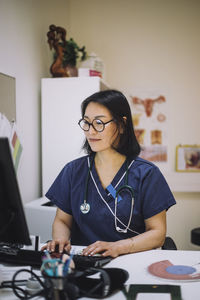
(85, 208)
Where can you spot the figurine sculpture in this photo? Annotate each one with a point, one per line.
(66, 52)
(55, 36)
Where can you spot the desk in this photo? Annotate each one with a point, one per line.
(136, 264)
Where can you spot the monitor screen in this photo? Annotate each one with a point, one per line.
(13, 226)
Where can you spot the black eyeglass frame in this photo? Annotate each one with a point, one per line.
(91, 124)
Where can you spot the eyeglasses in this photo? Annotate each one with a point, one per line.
(97, 124)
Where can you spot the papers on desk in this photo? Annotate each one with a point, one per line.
(7, 272)
(77, 249)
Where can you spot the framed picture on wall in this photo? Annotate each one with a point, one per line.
(188, 158)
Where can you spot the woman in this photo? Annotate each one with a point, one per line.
(88, 211)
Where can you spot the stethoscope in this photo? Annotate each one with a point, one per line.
(85, 207)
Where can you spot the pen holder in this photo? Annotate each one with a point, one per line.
(59, 287)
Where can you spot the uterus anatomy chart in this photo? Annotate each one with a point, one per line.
(149, 113)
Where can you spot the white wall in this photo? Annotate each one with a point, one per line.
(24, 54)
(144, 43)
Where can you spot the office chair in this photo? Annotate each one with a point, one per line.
(169, 244)
(195, 236)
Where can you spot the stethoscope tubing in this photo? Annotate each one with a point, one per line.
(123, 176)
(105, 202)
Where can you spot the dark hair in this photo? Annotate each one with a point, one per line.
(119, 107)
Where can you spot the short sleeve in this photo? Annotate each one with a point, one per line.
(60, 191)
(156, 194)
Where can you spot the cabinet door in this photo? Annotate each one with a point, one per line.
(62, 138)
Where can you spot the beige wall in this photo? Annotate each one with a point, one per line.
(183, 217)
(152, 44)
(146, 44)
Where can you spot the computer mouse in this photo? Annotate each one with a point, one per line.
(57, 254)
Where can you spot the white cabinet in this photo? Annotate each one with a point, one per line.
(62, 138)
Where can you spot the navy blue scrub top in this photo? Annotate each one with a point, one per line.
(152, 195)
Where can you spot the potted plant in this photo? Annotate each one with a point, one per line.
(66, 53)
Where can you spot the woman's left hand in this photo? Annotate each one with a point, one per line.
(112, 249)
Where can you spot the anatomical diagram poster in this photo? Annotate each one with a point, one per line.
(149, 113)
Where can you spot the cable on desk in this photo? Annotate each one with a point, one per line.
(15, 285)
(75, 285)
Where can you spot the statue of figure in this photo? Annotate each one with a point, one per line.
(56, 40)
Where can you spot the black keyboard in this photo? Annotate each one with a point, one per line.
(21, 257)
(10, 245)
(83, 262)
(34, 259)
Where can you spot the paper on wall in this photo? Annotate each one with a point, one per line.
(5, 126)
(9, 130)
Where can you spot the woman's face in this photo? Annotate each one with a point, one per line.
(100, 141)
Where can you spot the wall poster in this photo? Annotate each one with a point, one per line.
(149, 112)
(188, 158)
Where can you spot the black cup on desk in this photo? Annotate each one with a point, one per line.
(59, 287)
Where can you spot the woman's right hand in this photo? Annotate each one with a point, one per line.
(57, 245)
(61, 233)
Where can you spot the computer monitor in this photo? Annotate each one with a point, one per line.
(13, 226)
